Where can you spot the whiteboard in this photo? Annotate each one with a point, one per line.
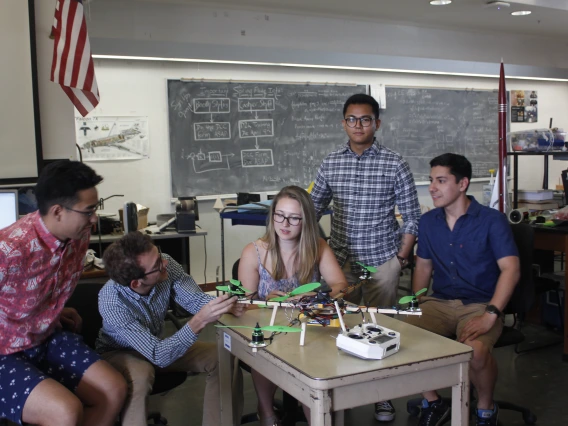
(17, 119)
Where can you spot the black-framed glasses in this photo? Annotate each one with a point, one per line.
(160, 265)
(365, 121)
(292, 220)
(87, 213)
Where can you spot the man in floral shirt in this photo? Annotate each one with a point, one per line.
(49, 376)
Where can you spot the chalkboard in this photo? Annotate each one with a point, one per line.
(229, 137)
(423, 123)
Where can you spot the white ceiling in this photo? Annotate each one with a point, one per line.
(549, 18)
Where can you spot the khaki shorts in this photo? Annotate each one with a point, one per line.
(448, 318)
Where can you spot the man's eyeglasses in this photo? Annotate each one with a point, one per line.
(159, 268)
(87, 213)
(365, 121)
(292, 220)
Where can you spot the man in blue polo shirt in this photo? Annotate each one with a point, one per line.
(471, 252)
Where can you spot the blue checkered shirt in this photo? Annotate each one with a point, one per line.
(365, 190)
(133, 321)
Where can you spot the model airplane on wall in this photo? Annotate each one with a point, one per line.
(115, 140)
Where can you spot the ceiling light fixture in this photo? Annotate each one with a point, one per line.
(521, 13)
(440, 2)
(332, 67)
(497, 4)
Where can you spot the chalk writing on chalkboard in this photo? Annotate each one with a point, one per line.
(228, 137)
(423, 123)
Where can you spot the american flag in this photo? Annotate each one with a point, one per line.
(72, 65)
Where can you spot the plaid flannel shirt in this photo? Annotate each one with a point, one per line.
(365, 190)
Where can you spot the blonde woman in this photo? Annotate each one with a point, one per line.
(290, 253)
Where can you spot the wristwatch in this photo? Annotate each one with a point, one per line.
(492, 309)
(402, 260)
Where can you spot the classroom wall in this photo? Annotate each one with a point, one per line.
(138, 88)
(17, 131)
(56, 111)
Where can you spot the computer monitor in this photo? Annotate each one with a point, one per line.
(8, 207)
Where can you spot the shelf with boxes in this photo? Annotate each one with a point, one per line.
(545, 155)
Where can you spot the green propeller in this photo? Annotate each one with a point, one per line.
(306, 288)
(274, 328)
(234, 288)
(371, 269)
(408, 299)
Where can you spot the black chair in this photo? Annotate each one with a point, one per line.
(529, 289)
(85, 301)
(521, 301)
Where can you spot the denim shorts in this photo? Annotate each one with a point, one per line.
(63, 357)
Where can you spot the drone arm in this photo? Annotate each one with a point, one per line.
(390, 311)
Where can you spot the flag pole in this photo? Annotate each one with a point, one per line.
(502, 173)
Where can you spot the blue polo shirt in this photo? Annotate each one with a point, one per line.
(464, 260)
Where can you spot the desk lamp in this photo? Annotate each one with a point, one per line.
(101, 206)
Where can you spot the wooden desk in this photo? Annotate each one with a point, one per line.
(172, 243)
(555, 239)
(327, 379)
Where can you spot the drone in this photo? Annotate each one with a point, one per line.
(319, 308)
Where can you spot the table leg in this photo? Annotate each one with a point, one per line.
(320, 410)
(460, 398)
(225, 378)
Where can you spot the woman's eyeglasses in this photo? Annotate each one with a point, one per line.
(292, 220)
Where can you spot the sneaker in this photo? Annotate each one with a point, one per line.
(487, 417)
(434, 413)
(384, 411)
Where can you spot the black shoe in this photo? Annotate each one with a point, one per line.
(434, 413)
(384, 411)
(488, 420)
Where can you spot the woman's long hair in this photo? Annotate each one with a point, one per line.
(307, 252)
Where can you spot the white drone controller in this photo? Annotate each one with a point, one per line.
(369, 341)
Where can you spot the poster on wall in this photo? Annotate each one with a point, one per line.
(112, 138)
(524, 106)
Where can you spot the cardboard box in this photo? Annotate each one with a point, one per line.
(142, 216)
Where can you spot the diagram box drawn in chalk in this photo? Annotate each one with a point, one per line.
(211, 105)
(257, 158)
(207, 131)
(257, 128)
(256, 104)
(215, 157)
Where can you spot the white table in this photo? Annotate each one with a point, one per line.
(327, 379)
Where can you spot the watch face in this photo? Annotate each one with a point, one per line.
(492, 309)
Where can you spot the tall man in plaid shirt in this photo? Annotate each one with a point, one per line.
(365, 181)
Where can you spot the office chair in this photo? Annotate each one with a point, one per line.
(519, 304)
(85, 301)
(287, 409)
